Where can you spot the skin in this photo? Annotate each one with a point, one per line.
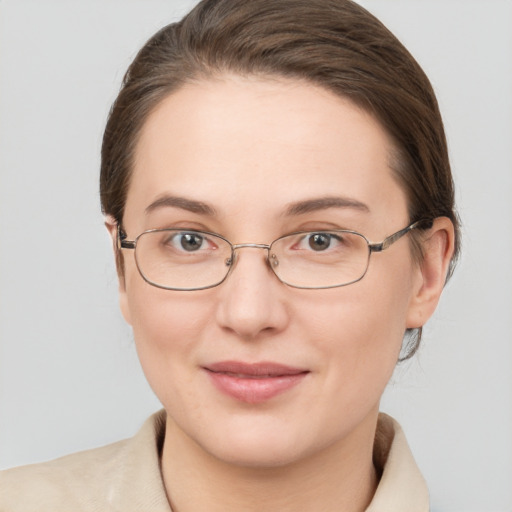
(249, 147)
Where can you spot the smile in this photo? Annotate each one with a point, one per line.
(254, 383)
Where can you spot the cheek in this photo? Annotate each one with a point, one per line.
(359, 333)
(359, 330)
(168, 327)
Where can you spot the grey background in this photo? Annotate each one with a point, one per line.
(69, 377)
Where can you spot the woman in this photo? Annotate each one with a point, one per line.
(257, 156)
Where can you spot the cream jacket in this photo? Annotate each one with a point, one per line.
(125, 477)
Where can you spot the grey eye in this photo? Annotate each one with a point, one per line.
(319, 241)
(191, 241)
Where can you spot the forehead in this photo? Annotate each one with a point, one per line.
(254, 144)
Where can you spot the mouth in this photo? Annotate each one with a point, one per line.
(254, 383)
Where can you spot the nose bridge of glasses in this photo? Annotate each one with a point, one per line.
(235, 247)
(252, 246)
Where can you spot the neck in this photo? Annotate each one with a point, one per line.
(340, 477)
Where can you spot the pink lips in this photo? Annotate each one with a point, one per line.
(254, 383)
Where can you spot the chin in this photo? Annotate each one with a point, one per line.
(265, 441)
(257, 453)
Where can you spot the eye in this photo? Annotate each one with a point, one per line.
(319, 241)
(189, 242)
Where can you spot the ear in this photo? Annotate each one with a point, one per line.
(111, 225)
(438, 247)
(112, 228)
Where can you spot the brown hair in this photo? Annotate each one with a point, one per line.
(336, 44)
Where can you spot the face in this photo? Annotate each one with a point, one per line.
(253, 371)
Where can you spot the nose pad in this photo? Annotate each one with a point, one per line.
(249, 302)
(271, 259)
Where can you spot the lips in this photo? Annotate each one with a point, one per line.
(254, 383)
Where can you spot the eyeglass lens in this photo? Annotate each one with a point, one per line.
(189, 260)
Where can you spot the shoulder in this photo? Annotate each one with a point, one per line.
(93, 480)
(61, 481)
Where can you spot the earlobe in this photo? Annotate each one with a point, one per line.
(438, 248)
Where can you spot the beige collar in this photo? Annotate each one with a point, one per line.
(402, 488)
(126, 476)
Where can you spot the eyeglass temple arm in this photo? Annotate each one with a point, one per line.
(391, 239)
(130, 244)
(122, 243)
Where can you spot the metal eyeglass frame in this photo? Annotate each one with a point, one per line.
(123, 243)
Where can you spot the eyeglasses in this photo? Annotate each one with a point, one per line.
(187, 259)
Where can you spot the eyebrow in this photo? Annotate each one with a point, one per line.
(183, 203)
(323, 203)
(297, 208)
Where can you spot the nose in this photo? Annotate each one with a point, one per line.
(252, 300)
